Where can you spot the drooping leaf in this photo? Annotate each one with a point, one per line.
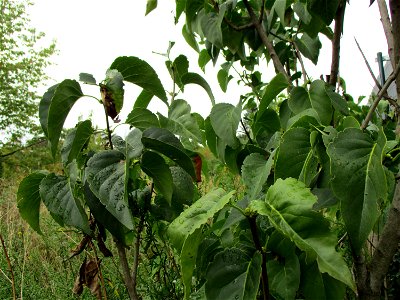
(64, 97)
(234, 275)
(163, 141)
(197, 215)
(288, 206)
(223, 79)
(112, 93)
(57, 193)
(74, 142)
(105, 173)
(309, 47)
(324, 9)
(301, 10)
(211, 26)
(139, 72)
(150, 6)
(180, 68)
(189, 38)
(44, 106)
(359, 180)
(142, 118)
(225, 120)
(180, 8)
(255, 171)
(87, 78)
(266, 123)
(197, 79)
(102, 215)
(275, 86)
(204, 58)
(155, 166)
(338, 102)
(28, 199)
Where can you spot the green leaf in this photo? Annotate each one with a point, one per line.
(134, 146)
(234, 275)
(104, 217)
(223, 79)
(64, 97)
(317, 98)
(28, 199)
(105, 173)
(255, 171)
(155, 166)
(180, 8)
(225, 120)
(279, 8)
(181, 122)
(301, 10)
(57, 194)
(309, 47)
(75, 141)
(324, 9)
(150, 6)
(87, 78)
(44, 106)
(204, 58)
(284, 268)
(142, 118)
(188, 258)
(143, 99)
(163, 141)
(190, 38)
(139, 72)
(197, 79)
(294, 151)
(359, 180)
(181, 67)
(338, 102)
(266, 123)
(288, 206)
(273, 89)
(211, 26)
(197, 215)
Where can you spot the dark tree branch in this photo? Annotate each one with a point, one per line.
(23, 148)
(374, 105)
(125, 271)
(246, 132)
(270, 48)
(395, 17)
(339, 20)
(257, 243)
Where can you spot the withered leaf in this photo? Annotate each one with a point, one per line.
(89, 276)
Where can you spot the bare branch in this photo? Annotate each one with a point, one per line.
(303, 69)
(387, 28)
(390, 79)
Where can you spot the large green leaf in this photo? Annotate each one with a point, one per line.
(181, 122)
(197, 79)
(143, 99)
(139, 72)
(64, 97)
(104, 217)
(28, 199)
(324, 9)
(76, 139)
(255, 171)
(316, 98)
(142, 118)
(284, 268)
(134, 146)
(225, 119)
(267, 123)
(211, 26)
(309, 47)
(234, 275)
(294, 152)
(57, 194)
(155, 166)
(275, 86)
(105, 173)
(197, 215)
(359, 180)
(163, 141)
(288, 206)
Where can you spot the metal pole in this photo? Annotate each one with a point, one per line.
(381, 68)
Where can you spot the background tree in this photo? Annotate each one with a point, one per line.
(23, 61)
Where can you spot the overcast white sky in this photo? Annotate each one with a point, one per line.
(90, 34)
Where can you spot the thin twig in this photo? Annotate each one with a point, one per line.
(125, 271)
(23, 148)
(246, 132)
(388, 82)
(303, 69)
(9, 267)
